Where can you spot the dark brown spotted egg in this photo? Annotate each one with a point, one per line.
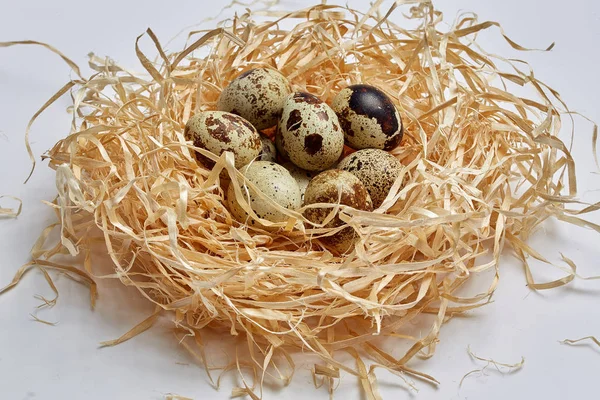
(218, 131)
(257, 95)
(301, 176)
(368, 117)
(279, 146)
(275, 183)
(310, 132)
(376, 169)
(330, 187)
(268, 151)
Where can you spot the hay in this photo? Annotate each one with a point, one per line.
(483, 169)
(489, 363)
(573, 342)
(11, 212)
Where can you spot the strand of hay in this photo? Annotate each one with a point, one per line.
(11, 212)
(483, 169)
(573, 342)
(490, 362)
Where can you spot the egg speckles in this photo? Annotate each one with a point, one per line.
(301, 176)
(368, 117)
(329, 187)
(376, 169)
(257, 95)
(310, 132)
(268, 152)
(218, 131)
(279, 145)
(272, 180)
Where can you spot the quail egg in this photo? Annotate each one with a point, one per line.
(310, 132)
(268, 151)
(275, 182)
(280, 150)
(301, 176)
(257, 95)
(368, 117)
(330, 187)
(218, 131)
(376, 169)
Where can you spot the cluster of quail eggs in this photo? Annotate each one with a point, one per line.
(301, 166)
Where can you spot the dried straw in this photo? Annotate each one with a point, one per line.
(11, 212)
(490, 362)
(483, 168)
(576, 341)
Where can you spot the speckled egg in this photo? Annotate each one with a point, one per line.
(376, 169)
(257, 95)
(368, 117)
(329, 187)
(268, 151)
(218, 131)
(310, 132)
(301, 176)
(280, 150)
(275, 182)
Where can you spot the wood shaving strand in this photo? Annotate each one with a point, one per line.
(490, 362)
(11, 212)
(576, 341)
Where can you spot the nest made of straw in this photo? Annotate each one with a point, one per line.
(483, 168)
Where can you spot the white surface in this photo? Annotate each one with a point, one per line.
(63, 362)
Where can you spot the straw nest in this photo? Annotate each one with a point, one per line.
(482, 169)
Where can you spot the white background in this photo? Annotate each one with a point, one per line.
(63, 362)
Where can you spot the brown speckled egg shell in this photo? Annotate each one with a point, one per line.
(257, 95)
(329, 187)
(368, 117)
(268, 152)
(310, 132)
(281, 152)
(275, 182)
(218, 131)
(301, 176)
(376, 169)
